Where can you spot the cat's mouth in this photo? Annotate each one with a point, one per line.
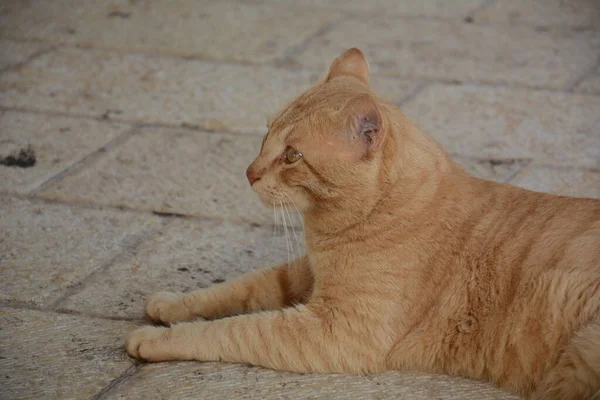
(276, 200)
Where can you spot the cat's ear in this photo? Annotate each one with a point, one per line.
(365, 126)
(350, 63)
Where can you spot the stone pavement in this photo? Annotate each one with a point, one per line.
(144, 114)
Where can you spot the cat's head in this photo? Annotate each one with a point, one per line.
(323, 151)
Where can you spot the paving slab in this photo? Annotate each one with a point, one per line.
(47, 248)
(13, 52)
(581, 14)
(422, 8)
(395, 90)
(57, 142)
(451, 51)
(151, 89)
(222, 381)
(57, 356)
(164, 90)
(187, 255)
(172, 171)
(190, 28)
(590, 84)
(565, 182)
(559, 129)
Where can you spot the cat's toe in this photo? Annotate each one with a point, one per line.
(167, 307)
(145, 343)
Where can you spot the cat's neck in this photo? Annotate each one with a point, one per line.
(412, 171)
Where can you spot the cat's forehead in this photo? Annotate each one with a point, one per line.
(312, 107)
(300, 110)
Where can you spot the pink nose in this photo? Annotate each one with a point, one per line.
(252, 175)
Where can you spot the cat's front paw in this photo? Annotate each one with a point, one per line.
(168, 307)
(148, 343)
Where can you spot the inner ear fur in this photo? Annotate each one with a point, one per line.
(366, 123)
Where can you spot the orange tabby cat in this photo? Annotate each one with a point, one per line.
(411, 263)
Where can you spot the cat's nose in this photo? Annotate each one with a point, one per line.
(252, 175)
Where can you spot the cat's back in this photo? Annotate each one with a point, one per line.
(525, 278)
(538, 274)
(527, 281)
(534, 232)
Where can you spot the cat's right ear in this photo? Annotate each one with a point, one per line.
(350, 63)
(365, 126)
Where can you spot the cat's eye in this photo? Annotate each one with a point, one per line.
(291, 155)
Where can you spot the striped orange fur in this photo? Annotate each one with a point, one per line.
(411, 263)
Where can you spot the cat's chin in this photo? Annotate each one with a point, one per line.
(269, 202)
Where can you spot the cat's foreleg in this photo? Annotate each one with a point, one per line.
(292, 339)
(265, 289)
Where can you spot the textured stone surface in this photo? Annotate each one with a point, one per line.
(185, 256)
(393, 89)
(54, 356)
(13, 53)
(554, 128)
(58, 142)
(566, 182)
(191, 28)
(590, 83)
(221, 381)
(172, 171)
(47, 248)
(161, 90)
(436, 49)
(421, 8)
(152, 90)
(543, 13)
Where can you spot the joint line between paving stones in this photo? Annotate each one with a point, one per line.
(418, 90)
(86, 161)
(498, 85)
(54, 113)
(149, 54)
(74, 313)
(482, 6)
(190, 128)
(124, 252)
(29, 59)
(284, 61)
(125, 376)
(123, 208)
(132, 123)
(570, 88)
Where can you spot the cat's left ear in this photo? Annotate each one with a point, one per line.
(352, 62)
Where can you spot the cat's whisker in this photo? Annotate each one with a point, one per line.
(287, 227)
(274, 226)
(297, 211)
(291, 228)
(278, 222)
(290, 201)
(289, 240)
